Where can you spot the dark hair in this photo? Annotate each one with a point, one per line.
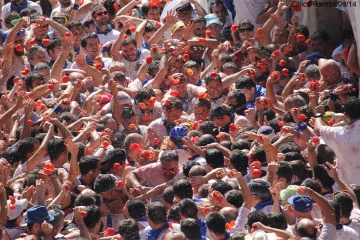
(336, 206)
(351, 108)
(31, 78)
(115, 156)
(129, 230)
(174, 214)
(173, 103)
(26, 146)
(157, 213)
(345, 202)
(289, 147)
(221, 186)
(84, 200)
(260, 188)
(198, 20)
(88, 36)
(168, 156)
(239, 95)
(303, 30)
(259, 154)
(239, 160)
(168, 195)
(187, 167)
(245, 82)
(88, 163)
(208, 127)
(76, 24)
(129, 40)
(154, 65)
(103, 182)
(285, 171)
(54, 42)
(56, 147)
(325, 154)
(136, 208)
(127, 112)
(203, 102)
(219, 111)
(11, 16)
(183, 189)
(311, 183)
(214, 158)
(320, 35)
(188, 208)
(208, 79)
(320, 173)
(93, 216)
(235, 197)
(191, 228)
(300, 170)
(257, 216)
(192, 64)
(277, 220)
(240, 144)
(215, 221)
(144, 94)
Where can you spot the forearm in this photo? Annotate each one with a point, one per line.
(73, 168)
(58, 65)
(7, 115)
(124, 10)
(280, 233)
(133, 180)
(325, 206)
(26, 131)
(60, 28)
(38, 91)
(318, 124)
(141, 73)
(158, 34)
(265, 15)
(289, 88)
(153, 192)
(352, 61)
(4, 208)
(66, 132)
(270, 92)
(312, 159)
(200, 11)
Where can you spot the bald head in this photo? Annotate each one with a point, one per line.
(329, 70)
(306, 228)
(197, 171)
(133, 138)
(175, 236)
(230, 213)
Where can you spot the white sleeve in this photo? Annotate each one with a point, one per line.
(328, 232)
(241, 220)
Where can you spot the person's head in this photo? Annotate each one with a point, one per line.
(322, 177)
(84, 200)
(36, 215)
(305, 228)
(100, 15)
(191, 71)
(172, 110)
(236, 100)
(93, 219)
(129, 117)
(156, 214)
(199, 26)
(191, 228)
(89, 167)
(279, 35)
(216, 222)
(220, 115)
(246, 30)
(301, 206)
(57, 151)
(104, 184)
(182, 189)
(136, 209)
(234, 197)
(33, 80)
(129, 49)
(58, 221)
(177, 30)
(218, 8)
(36, 55)
(78, 31)
(213, 84)
(229, 68)
(168, 196)
(179, 86)
(169, 164)
(196, 52)
(65, 3)
(330, 71)
(115, 156)
(129, 230)
(202, 109)
(188, 208)
(320, 42)
(312, 184)
(238, 161)
(312, 72)
(149, 31)
(90, 44)
(151, 12)
(185, 12)
(284, 173)
(350, 108)
(345, 202)
(259, 189)
(26, 148)
(257, 216)
(54, 48)
(294, 101)
(208, 128)
(43, 69)
(247, 85)
(214, 158)
(41, 31)
(221, 186)
(277, 220)
(214, 25)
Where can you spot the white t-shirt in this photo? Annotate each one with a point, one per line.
(60, 9)
(248, 9)
(130, 66)
(107, 63)
(108, 36)
(347, 233)
(6, 8)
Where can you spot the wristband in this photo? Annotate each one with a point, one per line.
(76, 7)
(57, 109)
(105, 49)
(333, 96)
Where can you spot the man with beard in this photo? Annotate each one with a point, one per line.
(103, 30)
(130, 54)
(18, 6)
(81, 10)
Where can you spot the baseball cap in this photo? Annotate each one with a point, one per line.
(212, 18)
(267, 131)
(38, 214)
(301, 203)
(20, 206)
(178, 132)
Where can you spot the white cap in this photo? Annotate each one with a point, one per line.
(20, 206)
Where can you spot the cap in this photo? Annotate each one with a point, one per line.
(184, 8)
(178, 132)
(301, 203)
(288, 192)
(212, 18)
(267, 131)
(314, 57)
(38, 214)
(176, 26)
(20, 205)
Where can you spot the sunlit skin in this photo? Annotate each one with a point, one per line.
(172, 115)
(194, 79)
(220, 122)
(169, 169)
(41, 31)
(153, 14)
(199, 29)
(39, 57)
(279, 36)
(196, 54)
(129, 52)
(214, 89)
(179, 33)
(201, 113)
(249, 93)
(78, 34)
(132, 120)
(92, 48)
(328, 75)
(101, 19)
(215, 30)
(45, 72)
(181, 88)
(148, 35)
(186, 17)
(248, 33)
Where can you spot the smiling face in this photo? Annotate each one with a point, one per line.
(215, 30)
(214, 89)
(101, 17)
(92, 47)
(169, 169)
(129, 52)
(199, 29)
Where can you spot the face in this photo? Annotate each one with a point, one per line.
(148, 35)
(181, 88)
(186, 17)
(220, 12)
(221, 121)
(194, 79)
(248, 94)
(196, 52)
(41, 31)
(214, 89)
(92, 47)
(172, 115)
(169, 169)
(39, 57)
(215, 30)
(111, 124)
(54, 54)
(279, 36)
(78, 34)
(328, 75)
(101, 17)
(229, 71)
(129, 52)
(132, 120)
(246, 31)
(45, 73)
(91, 28)
(318, 46)
(199, 29)
(179, 33)
(153, 14)
(201, 113)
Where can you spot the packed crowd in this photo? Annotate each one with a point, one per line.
(176, 120)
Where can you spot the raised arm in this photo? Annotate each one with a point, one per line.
(115, 50)
(171, 19)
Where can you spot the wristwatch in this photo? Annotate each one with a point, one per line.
(318, 115)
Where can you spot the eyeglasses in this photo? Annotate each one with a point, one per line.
(198, 48)
(99, 14)
(249, 29)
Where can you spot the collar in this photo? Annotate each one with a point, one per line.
(199, 83)
(166, 125)
(215, 99)
(108, 30)
(263, 204)
(91, 63)
(195, 156)
(347, 224)
(326, 193)
(339, 226)
(154, 234)
(145, 45)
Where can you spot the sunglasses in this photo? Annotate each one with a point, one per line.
(249, 29)
(99, 14)
(198, 48)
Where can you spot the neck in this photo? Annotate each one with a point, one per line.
(156, 226)
(345, 220)
(92, 58)
(102, 28)
(117, 172)
(219, 237)
(87, 180)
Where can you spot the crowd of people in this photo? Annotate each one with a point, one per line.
(177, 120)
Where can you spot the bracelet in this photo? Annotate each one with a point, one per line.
(76, 7)
(333, 96)
(57, 109)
